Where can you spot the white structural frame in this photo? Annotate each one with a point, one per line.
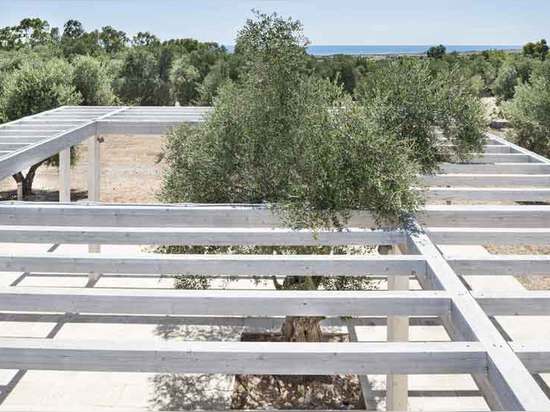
(502, 370)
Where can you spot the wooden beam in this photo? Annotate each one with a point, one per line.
(190, 216)
(499, 140)
(459, 194)
(506, 383)
(397, 386)
(219, 265)
(534, 355)
(58, 138)
(520, 303)
(485, 216)
(502, 158)
(196, 236)
(243, 357)
(484, 236)
(501, 265)
(497, 148)
(94, 169)
(43, 149)
(497, 168)
(65, 176)
(487, 180)
(94, 190)
(251, 216)
(252, 303)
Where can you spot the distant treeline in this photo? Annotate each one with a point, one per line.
(42, 67)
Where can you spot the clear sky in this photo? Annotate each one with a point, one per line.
(356, 22)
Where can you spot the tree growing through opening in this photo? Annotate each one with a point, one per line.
(296, 142)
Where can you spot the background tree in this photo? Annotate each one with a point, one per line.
(529, 113)
(405, 98)
(113, 41)
(140, 82)
(76, 41)
(91, 79)
(34, 88)
(145, 39)
(30, 31)
(436, 52)
(185, 80)
(506, 82)
(538, 50)
(208, 88)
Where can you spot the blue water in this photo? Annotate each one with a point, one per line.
(415, 49)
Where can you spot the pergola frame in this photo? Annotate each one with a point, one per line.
(502, 370)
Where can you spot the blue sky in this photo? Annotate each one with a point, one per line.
(387, 22)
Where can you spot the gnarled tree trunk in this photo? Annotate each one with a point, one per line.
(27, 180)
(301, 329)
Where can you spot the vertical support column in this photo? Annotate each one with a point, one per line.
(19, 191)
(94, 170)
(94, 173)
(397, 386)
(65, 175)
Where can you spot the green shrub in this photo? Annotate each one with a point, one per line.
(403, 97)
(529, 113)
(437, 52)
(38, 86)
(505, 84)
(184, 80)
(92, 81)
(33, 88)
(140, 81)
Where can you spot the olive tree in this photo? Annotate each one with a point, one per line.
(92, 80)
(404, 97)
(295, 142)
(140, 80)
(34, 87)
(506, 82)
(436, 52)
(184, 79)
(529, 113)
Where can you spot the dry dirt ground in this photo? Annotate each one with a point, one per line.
(130, 172)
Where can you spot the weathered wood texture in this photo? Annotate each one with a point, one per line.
(503, 172)
(243, 357)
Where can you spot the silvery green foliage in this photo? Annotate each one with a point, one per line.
(184, 79)
(282, 137)
(92, 79)
(529, 113)
(506, 82)
(37, 86)
(405, 98)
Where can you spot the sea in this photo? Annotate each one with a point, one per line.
(364, 50)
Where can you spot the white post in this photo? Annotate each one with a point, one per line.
(65, 176)
(94, 170)
(397, 386)
(19, 191)
(368, 398)
(94, 173)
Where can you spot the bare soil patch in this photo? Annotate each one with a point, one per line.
(296, 392)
